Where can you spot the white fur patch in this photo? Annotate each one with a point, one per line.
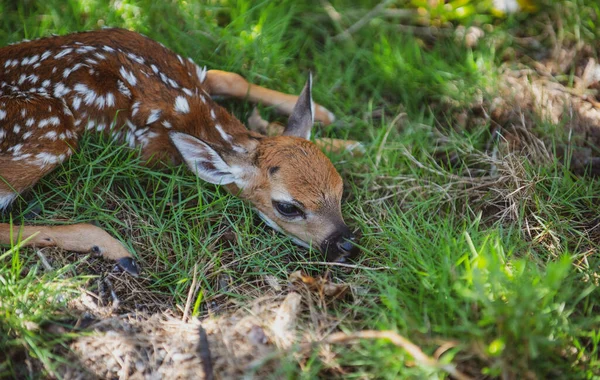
(6, 199)
(225, 136)
(154, 116)
(269, 222)
(182, 105)
(128, 76)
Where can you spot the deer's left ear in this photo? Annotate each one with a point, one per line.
(302, 118)
(204, 160)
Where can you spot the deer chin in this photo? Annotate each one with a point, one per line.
(269, 222)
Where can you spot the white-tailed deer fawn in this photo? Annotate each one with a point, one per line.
(122, 84)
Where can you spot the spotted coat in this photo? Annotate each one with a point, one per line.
(111, 81)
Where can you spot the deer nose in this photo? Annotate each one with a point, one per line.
(346, 245)
(346, 248)
(340, 246)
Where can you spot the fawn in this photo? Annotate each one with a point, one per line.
(125, 85)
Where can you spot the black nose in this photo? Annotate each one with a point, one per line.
(346, 246)
(340, 246)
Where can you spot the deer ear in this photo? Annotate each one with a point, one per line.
(202, 159)
(302, 118)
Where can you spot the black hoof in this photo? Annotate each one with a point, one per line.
(129, 266)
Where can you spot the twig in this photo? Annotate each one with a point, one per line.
(113, 294)
(399, 341)
(363, 21)
(392, 336)
(332, 264)
(43, 259)
(188, 302)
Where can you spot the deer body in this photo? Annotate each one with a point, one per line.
(125, 85)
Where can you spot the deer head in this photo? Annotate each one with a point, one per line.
(290, 182)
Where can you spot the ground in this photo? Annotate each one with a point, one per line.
(476, 201)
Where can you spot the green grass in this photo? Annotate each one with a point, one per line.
(516, 294)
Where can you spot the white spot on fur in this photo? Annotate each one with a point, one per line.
(49, 121)
(33, 78)
(100, 102)
(182, 105)
(110, 99)
(6, 199)
(45, 158)
(128, 76)
(51, 135)
(154, 116)
(21, 157)
(225, 136)
(89, 95)
(136, 58)
(123, 89)
(2, 114)
(166, 124)
(68, 71)
(76, 102)
(201, 73)
(60, 90)
(63, 53)
(16, 149)
(135, 108)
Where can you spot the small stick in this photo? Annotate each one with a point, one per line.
(188, 302)
(113, 294)
(43, 259)
(392, 336)
(399, 341)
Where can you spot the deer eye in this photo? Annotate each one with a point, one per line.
(287, 210)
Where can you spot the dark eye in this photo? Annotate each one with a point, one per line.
(287, 209)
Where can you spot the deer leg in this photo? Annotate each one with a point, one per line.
(223, 83)
(36, 135)
(82, 237)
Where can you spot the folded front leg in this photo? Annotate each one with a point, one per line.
(81, 238)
